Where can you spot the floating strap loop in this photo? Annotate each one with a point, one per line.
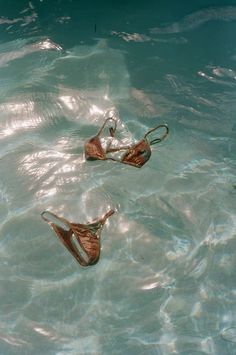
(158, 140)
(111, 129)
(57, 221)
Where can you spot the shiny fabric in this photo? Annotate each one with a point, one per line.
(82, 240)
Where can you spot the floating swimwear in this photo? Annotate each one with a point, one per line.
(82, 240)
(139, 153)
(93, 147)
(136, 155)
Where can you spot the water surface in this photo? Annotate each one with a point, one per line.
(165, 281)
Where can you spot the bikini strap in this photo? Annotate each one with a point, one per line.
(111, 129)
(54, 219)
(158, 140)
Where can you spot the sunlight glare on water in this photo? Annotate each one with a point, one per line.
(165, 280)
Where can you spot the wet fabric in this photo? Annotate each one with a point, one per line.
(135, 155)
(82, 240)
(93, 147)
(138, 154)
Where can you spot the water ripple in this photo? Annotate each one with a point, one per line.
(165, 280)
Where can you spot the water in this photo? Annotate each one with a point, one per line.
(165, 282)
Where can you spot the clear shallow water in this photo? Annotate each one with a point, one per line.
(165, 281)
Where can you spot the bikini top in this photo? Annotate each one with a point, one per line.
(82, 240)
(135, 155)
(93, 147)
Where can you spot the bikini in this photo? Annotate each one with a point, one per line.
(82, 240)
(136, 155)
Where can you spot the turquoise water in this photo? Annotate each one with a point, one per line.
(165, 281)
